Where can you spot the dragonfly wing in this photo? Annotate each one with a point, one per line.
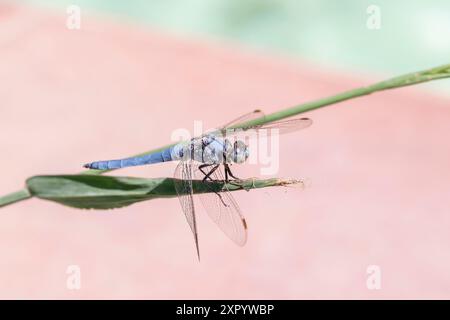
(283, 126)
(223, 209)
(221, 131)
(183, 186)
(244, 118)
(288, 125)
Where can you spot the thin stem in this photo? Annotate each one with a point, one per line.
(440, 72)
(14, 197)
(397, 82)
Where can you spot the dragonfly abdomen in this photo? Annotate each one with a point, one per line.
(152, 158)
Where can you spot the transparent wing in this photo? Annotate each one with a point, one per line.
(183, 186)
(283, 126)
(220, 131)
(244, 118)
(222, 208)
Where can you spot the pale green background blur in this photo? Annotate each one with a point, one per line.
(414, 34)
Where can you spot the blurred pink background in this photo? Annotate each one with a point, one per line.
(378, 166)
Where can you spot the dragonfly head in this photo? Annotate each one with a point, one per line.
(240, 152)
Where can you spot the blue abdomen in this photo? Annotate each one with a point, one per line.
(157, 157)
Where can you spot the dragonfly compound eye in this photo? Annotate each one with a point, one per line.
(241, 152)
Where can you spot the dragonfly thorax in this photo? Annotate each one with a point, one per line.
(212, 150)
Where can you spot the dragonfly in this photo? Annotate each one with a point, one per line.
(209, 157)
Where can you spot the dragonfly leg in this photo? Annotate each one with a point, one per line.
(229, 173)
(200, 167)
(221, 199)
(208, 175)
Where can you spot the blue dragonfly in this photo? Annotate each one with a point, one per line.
(204, 158)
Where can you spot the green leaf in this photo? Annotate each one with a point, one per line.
(107, 192)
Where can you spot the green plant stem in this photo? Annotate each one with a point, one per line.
(14, 197)
(436, 73)
(397, 82)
